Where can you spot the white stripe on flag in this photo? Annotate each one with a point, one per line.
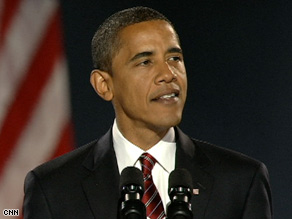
(19, 45)
(39, 140)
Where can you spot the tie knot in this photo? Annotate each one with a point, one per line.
(147, 162)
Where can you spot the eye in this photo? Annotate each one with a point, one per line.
(145, 62)
(175, 58)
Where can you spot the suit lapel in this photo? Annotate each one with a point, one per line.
(101, 185)
(190, 157)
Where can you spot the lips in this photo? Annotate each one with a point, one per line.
(166, 95)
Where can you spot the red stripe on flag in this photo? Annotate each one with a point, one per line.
(66, 141)
(31, 88)
(8, 11)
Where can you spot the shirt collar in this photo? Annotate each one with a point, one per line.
(128, 153)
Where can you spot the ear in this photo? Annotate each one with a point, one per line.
(101, 81)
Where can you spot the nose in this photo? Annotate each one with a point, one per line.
(166, 73)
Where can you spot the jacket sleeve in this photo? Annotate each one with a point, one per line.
(259, 202)
(35, 205)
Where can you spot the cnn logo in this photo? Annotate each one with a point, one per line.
(11, 212)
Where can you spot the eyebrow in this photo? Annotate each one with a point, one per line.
(150, 53)
(141, 55)
(175, 50)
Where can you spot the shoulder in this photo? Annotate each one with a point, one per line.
(232, 170)
(217, 158)
(69, 161)
(234, 177)
(227, 160)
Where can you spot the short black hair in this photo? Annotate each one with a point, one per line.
(105, 43)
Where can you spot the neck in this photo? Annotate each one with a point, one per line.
(144, 138)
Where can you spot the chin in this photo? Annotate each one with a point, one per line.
(168, 122)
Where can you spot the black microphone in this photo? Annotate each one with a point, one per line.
(132, 190)
(180, 193)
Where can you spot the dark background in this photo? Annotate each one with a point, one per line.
(238, 56)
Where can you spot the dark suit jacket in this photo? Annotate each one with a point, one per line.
(84, 183)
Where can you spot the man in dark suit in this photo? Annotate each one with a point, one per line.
(139, 67)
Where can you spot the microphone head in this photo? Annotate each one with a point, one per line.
(180, 178)
(179, 191)
(131, 176)
(132, 190)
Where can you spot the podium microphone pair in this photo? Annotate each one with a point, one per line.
(132, 190)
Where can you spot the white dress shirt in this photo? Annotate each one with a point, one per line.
(164, 152)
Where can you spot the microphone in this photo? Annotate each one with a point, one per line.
(132, 190)
(179, 190)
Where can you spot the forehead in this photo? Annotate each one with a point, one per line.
(147, 31)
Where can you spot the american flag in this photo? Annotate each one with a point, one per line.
(35, 122)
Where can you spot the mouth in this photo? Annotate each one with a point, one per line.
(167, 95)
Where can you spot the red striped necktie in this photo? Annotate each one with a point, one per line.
(151, 197)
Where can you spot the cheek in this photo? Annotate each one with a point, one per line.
(182, 78)
(139, 93)
(134, 93)
(134, 89)
(180, 71)
(185, 81)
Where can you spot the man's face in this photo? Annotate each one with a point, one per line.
(149, 80)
